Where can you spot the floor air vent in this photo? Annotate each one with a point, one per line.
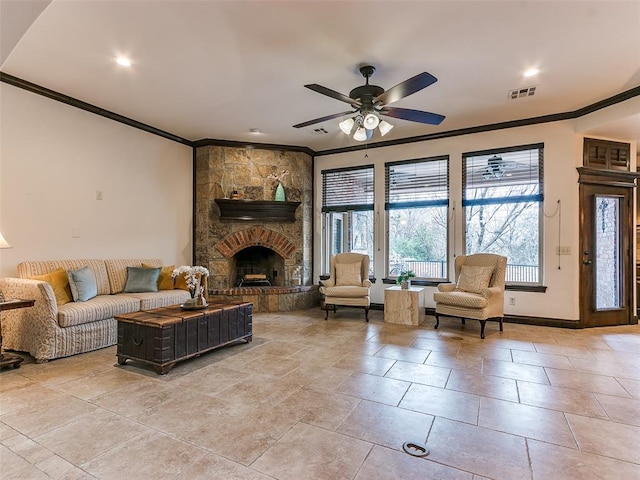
(522, 93)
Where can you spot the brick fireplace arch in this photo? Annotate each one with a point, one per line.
(255, 236)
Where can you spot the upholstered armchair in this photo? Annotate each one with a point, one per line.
(348, 283)
(478, 292)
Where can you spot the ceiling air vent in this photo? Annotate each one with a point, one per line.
(522, 93)
(318, 131)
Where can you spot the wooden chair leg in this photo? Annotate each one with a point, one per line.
(326, 311)
(463, 322)
(501, 324)
(437, 321)
(366, 313)
(482, 324)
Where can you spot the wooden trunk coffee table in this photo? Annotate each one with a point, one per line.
(163, 336)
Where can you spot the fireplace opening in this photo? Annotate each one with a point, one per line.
(256, 266)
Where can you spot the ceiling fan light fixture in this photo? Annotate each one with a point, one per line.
(371, 121)
(347, 125)
(360, 135)
(385, 127)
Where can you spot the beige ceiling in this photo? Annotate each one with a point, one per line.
(216, 69)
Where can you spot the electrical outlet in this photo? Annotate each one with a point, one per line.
(512, 300)
(75, 232)
(98, 194)
(563, 250)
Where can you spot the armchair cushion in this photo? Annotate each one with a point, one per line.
(346, 291)
(348, 274)
(461, 299)
(474, 278)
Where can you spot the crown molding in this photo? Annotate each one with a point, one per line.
(60, 97)
(88, 107)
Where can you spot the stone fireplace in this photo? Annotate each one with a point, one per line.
(249, 242)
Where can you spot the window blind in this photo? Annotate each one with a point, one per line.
(347, 189)
(417, 183)
(513, 175)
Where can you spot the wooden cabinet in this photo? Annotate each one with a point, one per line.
(606, 155)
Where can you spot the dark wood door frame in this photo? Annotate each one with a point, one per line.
(625, 182)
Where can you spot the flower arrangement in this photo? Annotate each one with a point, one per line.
(278, 177)
(192, 275)
(405, 276)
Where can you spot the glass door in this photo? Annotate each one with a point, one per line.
(606, 276)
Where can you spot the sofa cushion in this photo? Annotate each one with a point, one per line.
(98, 308)
(162, 298)
(165, 280)
(117, 271)
(59, 281)
(29, 269)
(83, 284)
(142, 279)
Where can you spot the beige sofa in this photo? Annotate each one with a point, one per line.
(49, 331)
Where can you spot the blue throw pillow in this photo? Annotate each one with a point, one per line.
(142, 280)
(83, 284)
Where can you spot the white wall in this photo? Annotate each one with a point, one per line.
(562, 154)
(53, 159)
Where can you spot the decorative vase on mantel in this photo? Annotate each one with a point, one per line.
(279, 197)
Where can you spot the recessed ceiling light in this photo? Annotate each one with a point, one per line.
(255, 131)
(124, 61)
(531, 72)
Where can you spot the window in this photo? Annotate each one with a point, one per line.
(502, 197)
(347, 212)
(417, 200)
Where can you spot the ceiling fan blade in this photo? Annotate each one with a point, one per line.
(406, 88)
(322, 119)
(413, 115)
(333, 94)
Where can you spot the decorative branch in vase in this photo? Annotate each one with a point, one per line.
(193, 278)
(279, 177)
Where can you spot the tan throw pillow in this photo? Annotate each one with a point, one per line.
(165, 280)
(59, 281)
(474, 279)
(348, 274)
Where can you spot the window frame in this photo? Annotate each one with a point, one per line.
(539, 198)
(403, 205)
(328, 211)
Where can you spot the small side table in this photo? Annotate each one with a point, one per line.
(404, 306)
(6, 359)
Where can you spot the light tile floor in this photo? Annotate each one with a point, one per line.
(314, 399)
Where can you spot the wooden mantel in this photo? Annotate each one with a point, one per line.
(265, 210)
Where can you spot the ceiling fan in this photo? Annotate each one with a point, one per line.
(369, 102)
